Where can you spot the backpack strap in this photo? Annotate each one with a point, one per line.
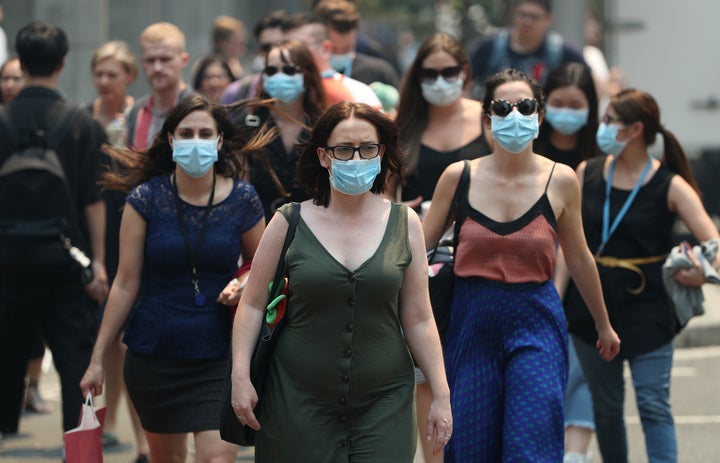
(499, 50)
(64, 120)
(553, 50)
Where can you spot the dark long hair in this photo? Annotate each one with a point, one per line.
(140, 166)
(296, 52)
(412, 113)
(632, 105)
(315, 178)
(580, 76)
(203, 64)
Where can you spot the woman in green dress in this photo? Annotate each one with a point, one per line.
(340, 386)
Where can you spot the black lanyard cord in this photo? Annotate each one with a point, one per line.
(193, 253)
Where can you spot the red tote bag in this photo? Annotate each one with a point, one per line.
(84, 443)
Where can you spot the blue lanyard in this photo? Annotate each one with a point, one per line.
(607, 230)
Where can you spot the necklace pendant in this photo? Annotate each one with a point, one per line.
(199, 300)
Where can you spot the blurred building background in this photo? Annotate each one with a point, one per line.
(656, 43)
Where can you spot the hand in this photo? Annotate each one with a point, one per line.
(692, 276)
(243, 400)
(92, 380)
(608, 343)
(97, 289)
(230, 295)
(440, 425)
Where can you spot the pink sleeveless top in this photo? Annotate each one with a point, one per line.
(521, 251)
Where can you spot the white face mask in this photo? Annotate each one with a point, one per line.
(442, 92)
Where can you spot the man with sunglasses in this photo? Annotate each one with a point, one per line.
(528, 45)
(267, 32)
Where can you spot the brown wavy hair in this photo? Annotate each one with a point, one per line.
(315, 178)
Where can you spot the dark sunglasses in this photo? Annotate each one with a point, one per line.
(525, 107)
(450, 73)
(289, 69)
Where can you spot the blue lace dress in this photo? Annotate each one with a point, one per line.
(171, 341)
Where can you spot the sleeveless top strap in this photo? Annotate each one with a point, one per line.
(550, 177)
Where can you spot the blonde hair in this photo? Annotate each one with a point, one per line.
(119, 50)
(225, 26)
(158, 32)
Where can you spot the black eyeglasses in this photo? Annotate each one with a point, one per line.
(608, 119)
(429, 75)
(346, 153)
(525, 107)
(289, 69)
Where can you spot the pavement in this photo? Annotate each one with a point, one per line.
(40, 437)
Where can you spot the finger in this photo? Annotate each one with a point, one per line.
(252, 421)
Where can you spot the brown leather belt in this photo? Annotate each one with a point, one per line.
(632, 265)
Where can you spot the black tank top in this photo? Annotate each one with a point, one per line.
(645, 321)
(432, 163)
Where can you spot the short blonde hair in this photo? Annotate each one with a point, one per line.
(119, 50)
(158, 32)
(225, 27)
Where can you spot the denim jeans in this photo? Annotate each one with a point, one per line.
(578, 402)
(651, 379)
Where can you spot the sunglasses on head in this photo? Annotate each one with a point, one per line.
(525, 107)
(450, 73)
(289, 69)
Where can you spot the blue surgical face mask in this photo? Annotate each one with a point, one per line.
(284, 87)
(195, 156)
(515, 131)
(354, 177)
(606, 137)
(567, 121)
(341, 62)
(442, 92)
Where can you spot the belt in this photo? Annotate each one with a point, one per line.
(632, 265)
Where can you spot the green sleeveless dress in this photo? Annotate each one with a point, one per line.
(341, 381)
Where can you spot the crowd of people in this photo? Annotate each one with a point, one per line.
(180, 200)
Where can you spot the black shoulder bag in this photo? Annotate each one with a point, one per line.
(441, 261)
(231, 429)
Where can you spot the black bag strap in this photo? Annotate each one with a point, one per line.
(292, 225)
(455, 206)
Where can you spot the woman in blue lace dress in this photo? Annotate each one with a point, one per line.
(186, 223)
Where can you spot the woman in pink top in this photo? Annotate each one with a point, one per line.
(506, 343)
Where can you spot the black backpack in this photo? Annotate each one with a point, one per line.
(38, 217)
